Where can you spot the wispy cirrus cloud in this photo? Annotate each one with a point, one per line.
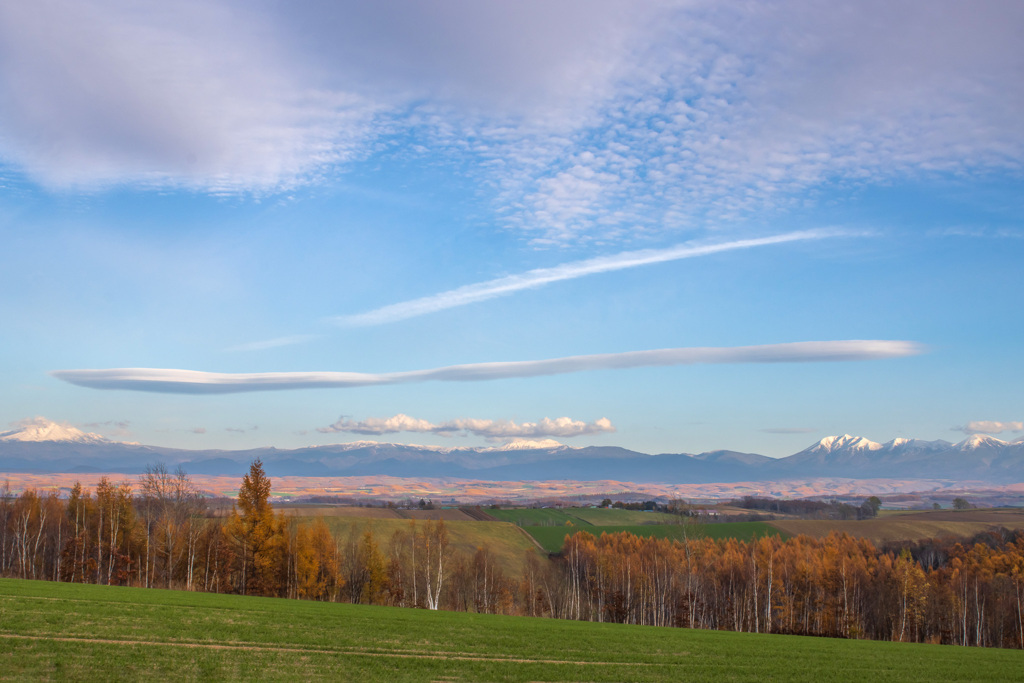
(197, 382)
(990, 427)
(539, 277)
(490, 429)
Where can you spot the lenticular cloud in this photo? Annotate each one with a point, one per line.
(196, 382)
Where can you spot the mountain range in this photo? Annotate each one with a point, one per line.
(45, 447)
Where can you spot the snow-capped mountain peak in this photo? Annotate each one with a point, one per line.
(976, 441)
(42, 429)
(834, 444)
(529, 445)
(903, 446)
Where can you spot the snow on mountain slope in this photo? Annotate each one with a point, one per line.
(976, 441)
(41, 429)
(843, 444)
(529, 445)
(903, 446)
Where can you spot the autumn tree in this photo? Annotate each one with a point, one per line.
(116, 518)
(172, 510)
(374, 564)
(29, 518)
(317, 568)
(215, 548)
(258, 535)
(79, 502)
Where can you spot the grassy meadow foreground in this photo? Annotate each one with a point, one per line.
(70, 631)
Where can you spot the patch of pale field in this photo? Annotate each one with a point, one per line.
(909, 527)
(896, 513)
(732, 511)
(508, 545)
(337, 511)
(356, 512)
(447, 514)
(999, 516)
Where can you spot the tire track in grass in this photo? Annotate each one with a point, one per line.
(358, 652)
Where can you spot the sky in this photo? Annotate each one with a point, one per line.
(668, 226)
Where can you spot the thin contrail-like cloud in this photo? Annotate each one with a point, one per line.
(196, 382)
(481, 291)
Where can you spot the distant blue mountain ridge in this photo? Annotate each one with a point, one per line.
(977, 458)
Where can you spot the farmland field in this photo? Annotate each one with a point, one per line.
(293, 510)
(508, 544)
(305, 510)
(537, 516)
(78, 632)
(909, 526)
(614, 517)
(552, 538)
(579, 516)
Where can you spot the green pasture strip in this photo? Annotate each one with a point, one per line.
(507, 544)
(75, 632)
(538, 516)
(552, 538)
(617, 517)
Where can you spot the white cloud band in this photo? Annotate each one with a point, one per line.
(491, 429)
(532, 279)
(197, 382)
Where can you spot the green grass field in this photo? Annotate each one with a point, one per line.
(552, 538)
(75, 632)
(615, 517)
(579, 516)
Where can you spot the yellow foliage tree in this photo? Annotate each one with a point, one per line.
(375, 568)
(259, 536)
(317, 569)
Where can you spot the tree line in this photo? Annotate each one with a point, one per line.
(814, 509)
(839, 586)
(157, 532)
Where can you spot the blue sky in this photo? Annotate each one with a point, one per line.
(248, 188)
